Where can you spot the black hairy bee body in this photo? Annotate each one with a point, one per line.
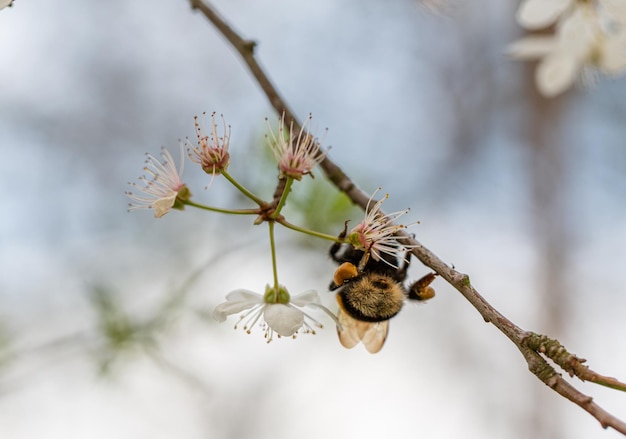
(372, 297)
(371, 291)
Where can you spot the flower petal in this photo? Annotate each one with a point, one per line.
(244, 295)
(160, 185)
(236, 301)
(283, 319)
(164, 205)
(556, 73)
(613, 59)
(532, 47)
(614, 10)
(306, 298)
(537, 14)
(578, 33)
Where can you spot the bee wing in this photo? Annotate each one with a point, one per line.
(375, 336)
(352, 331)
(348, 330)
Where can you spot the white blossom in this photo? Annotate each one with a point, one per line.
(286, 319)
(537, 14)
(211, 151)
(297, 154)
(160, 185)
(377, 232)
(584, 40)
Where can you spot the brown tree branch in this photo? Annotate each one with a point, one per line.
(532, 346)
(246, 50)
(570, 363)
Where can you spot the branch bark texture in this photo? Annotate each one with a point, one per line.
(534, 348)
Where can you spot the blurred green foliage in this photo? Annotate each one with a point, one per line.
(318, 205)
(121, 333)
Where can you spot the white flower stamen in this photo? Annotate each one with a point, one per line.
(377, 233)
(210, 151)
(282, 319)
(161, 185)
(297, 155)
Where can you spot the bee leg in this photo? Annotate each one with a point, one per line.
(364, 260)
(420, 289)
(343, 274)
(334, 249)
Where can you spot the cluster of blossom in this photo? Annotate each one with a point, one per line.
(162, 189)
(377, 232)
(589, 36)
(282, 315)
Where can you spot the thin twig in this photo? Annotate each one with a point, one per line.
(461, 282)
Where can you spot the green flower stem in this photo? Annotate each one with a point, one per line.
(242, 189)
(273, 248)
(219, 210)
(287, 224)
(283, 197)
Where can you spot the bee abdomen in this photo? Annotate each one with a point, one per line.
(372, 298)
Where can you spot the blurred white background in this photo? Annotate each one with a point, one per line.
(523, 194)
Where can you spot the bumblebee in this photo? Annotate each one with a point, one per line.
(370, 292)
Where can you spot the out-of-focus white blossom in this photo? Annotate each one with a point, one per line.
(5, 3)
(589, 35)
(537, 14)
(613, 10)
